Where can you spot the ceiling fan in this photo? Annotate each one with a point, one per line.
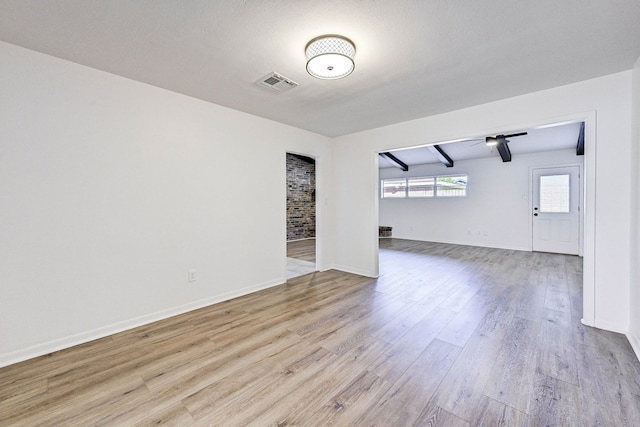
(492, 141)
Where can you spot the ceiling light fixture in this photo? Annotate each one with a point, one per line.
(330, 57)
(491, 141)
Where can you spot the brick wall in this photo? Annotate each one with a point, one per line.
(301, 197)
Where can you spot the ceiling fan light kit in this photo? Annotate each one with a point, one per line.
(330, 57)
(491, 141)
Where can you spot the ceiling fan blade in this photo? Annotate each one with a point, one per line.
(475, 141)
(514, 134)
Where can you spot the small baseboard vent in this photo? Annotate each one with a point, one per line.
(277, 82)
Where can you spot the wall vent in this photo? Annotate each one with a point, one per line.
(277, 82)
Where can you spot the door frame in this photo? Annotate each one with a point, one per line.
(320, 213)
(588, 185)
(581, 188)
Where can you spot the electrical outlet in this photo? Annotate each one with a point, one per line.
(192, 276)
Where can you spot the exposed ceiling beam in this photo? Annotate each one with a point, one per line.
(441, 155)
(580, 147)
(504, 151)
(395, 161)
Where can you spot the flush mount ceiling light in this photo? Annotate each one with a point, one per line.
(330, 57)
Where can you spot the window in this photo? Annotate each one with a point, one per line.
(394, 188)
(554, 194)
(451, 186)
(421, 187)
(424, 187)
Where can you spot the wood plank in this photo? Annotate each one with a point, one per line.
(463, 325)
(557, 352)
(173, 416)
(461, 390)
(240, 398)
(435, 416)
(493, 413)
(351, 401)
(298, 405)
(393, 363)
(605, 398)
(405, 400)
(302, 249)
(554, 402)
(513, 373)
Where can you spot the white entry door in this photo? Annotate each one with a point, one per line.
(556, 210)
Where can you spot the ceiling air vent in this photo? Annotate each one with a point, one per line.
(277, 82)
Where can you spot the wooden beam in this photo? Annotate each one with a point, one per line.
(504, 151)
(441, 155)
(580, 147)
(396, 161)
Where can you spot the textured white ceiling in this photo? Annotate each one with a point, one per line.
(413, 58)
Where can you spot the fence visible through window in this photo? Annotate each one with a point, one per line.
(394, 188)
(424, 187)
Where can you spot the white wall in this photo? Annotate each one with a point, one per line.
(496, 213)
(604, 103)
(110, 190)
(634, 323)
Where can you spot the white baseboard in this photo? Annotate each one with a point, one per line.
(609, 326)
(84, 337)
(466, 243)
(357, 271)
(635, 344)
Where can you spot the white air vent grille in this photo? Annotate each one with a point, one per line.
(277, 82)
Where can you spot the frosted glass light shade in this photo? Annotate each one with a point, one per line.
(330, 57)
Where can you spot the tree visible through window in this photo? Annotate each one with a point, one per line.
(451, 186)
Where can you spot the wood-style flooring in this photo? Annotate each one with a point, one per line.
(302, 249)
(301, 258)
(447, 336)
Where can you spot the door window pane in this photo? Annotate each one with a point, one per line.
(554, 194)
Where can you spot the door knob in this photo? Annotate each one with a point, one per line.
(535, 214)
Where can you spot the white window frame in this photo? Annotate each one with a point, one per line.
(435, 187)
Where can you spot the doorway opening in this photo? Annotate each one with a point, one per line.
(301, 215)
(581, 142)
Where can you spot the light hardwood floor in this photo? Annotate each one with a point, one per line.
(448, 335)
(304, 250)
(301, 258)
